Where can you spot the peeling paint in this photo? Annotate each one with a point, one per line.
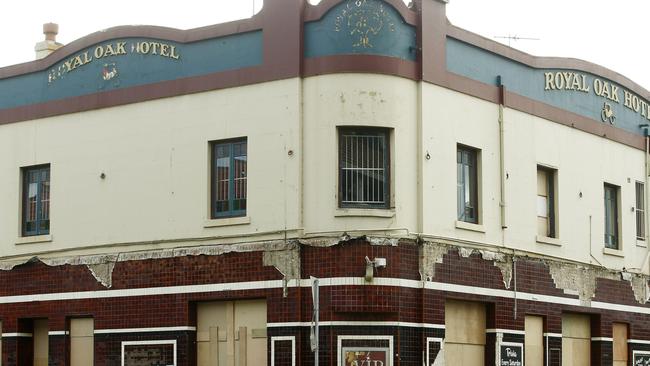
(393, 242)
(101, 266)
(465, 252)
(573, 278)
(506, 271)
(640, 287)
(430, 254)
(286, 261)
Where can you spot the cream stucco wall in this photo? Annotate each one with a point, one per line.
(155, 157)
(584, 162)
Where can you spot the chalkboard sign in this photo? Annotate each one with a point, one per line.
(641, 358)
(511, 354)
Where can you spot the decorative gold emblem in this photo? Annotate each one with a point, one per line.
(607, 114)
(364, 20)
(109, 71)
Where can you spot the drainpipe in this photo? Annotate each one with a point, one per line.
(502, 168)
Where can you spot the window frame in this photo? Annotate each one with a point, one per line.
(614, 191)
(639, 213)
(473, 182)
(25, 182)
(551, 200)
(230, 143)
(375, 131)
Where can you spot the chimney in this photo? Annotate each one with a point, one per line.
(50, 44)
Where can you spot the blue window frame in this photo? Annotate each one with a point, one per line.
(229, 178)
(36, 200)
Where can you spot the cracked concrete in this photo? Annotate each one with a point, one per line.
(578, 279)
(430, 254)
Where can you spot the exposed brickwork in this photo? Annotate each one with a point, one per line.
(341, 303)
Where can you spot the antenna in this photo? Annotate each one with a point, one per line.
(516, 38)
(253, 10)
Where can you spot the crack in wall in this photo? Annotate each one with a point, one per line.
(430, 254)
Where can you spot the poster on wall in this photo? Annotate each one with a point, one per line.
(641, 358)
(364, 356)
(147, 353)
(511, 354)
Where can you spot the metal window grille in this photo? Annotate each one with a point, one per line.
(640, 211)
(363, 173)
(36, 201)
(229, 177)
(467, 184)
(611, 216)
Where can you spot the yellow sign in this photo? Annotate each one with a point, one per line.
(79, 60)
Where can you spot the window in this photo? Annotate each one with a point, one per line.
(467, 181)
(640, 211)
(546, 202)
(611, 216)
(363, 168)
(36, 200)
(229, 172)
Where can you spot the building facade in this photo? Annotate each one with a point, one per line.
(167, 196)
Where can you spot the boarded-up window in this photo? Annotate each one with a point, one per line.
(82, 342)
(576, 340)
(40, 338)
(231, 333)
(534, 341)
(619, 333)
(464, 333)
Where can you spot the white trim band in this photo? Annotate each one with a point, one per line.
(637, 341)
(337, 281)
(553, 335)
(338, 323)
(10, 335)
(602, 339)
(506, 331)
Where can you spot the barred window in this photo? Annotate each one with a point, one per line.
(611, 216)
(640, 211)
(229, 174)
(363, 168)
(36, 200)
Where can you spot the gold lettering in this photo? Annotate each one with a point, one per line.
(109, 50)
(598, 87)
(585, 87)
(576, 85)
(615, 94)
(99, 52)
(77, 62)
(173, 53)
(644, 108)
(154, 46)
(568, 79)
(144, 47)
(87, 58)
(635, 103)
(67, 64)
(550, 82)
(559, 80)
(120, 48)
(164, 49)
(627, 97)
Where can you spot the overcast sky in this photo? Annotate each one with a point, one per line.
(609, 33)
